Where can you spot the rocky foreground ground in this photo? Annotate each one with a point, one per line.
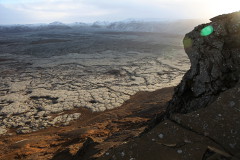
(104, 129)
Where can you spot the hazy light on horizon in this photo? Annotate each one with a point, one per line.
(46, 11)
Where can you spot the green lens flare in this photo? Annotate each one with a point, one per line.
(206, 31)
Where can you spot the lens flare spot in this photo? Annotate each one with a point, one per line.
(206, 31)
(187, 42)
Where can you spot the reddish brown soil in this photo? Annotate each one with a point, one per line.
(2, 59)
(107, 129)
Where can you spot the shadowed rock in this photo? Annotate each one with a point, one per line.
(215, 64)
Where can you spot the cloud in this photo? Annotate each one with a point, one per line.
(51, 10)
(11, 16)
(91, 10)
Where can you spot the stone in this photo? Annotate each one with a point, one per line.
(65, 119)
(179, 151)
(14, 108)
(23, 130)
(3, 130)
(160, 135)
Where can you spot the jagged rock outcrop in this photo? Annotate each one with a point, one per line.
(215, 63)
(211, 89)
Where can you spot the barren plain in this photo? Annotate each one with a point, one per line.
(45, 73)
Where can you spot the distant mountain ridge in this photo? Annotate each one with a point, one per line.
(175, 27)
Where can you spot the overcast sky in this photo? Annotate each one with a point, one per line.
(46, 11)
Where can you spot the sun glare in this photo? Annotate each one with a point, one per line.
(222, 7)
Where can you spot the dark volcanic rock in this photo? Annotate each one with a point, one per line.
(215, 64)
(208, 95)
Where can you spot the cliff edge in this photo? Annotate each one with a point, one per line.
(203, 118)
(214, 53)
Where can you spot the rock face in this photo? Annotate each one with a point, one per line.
(215, 64)
(208, 95)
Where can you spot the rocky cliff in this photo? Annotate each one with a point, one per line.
(208, 95)
(215, 63)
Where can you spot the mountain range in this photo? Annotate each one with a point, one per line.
(175, 27)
